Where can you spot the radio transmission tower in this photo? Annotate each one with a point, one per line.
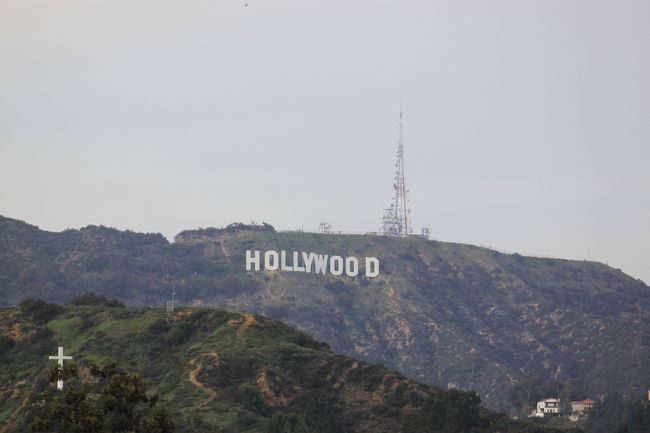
(397, 218)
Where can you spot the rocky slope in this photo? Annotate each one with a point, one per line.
(447, 314)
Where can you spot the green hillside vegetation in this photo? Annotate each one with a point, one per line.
(619, 413)
(210, 371)
(443, 313)
(109, 400)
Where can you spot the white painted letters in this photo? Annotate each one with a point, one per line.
(311, 263)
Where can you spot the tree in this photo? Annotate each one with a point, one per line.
(158, 421)
(451, 411)
(122, 394)
(283, 423)
(619, 413)
(117, 403)
(91, 298)
(523, 394)
(39, 311)
(573, 389)
(70, 411)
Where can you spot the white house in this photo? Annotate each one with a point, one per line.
(547, 407)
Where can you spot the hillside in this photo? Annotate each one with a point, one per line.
(442, 313)
(229, 372)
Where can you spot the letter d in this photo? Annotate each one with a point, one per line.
(372, 267)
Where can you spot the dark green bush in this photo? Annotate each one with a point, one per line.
(6, 343)
(90, 298)
(39, 311)
(287, 423)
(251, 398)
(179, 333)
(158, 327)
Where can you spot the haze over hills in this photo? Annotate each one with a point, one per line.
(447, 314)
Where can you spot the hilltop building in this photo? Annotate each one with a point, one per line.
(550, 407)
(547, 407)
(580, 408)
(582, 405)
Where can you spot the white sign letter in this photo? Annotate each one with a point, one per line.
(252, 260)
(271, 261)
(321, 264)
(336, 265)
(351, 267)
(295, 263)
(283, 262)
(372, 267)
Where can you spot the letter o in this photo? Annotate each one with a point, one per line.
(271, 261)
(351, 267)
(336, 265)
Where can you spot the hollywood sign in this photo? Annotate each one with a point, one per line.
(310, 263)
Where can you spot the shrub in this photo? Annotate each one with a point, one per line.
(291, 423)
(90, 298)
(6, 343)
(160, 326)
(39, 311)
(251, 398)
(179, 333)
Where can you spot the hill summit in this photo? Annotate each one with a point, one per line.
(214, 371)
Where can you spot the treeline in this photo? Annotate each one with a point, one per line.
(229, 230)
(614, 413)
(619, 413)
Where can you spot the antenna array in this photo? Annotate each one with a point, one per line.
(397, 217)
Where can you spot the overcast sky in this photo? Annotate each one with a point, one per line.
(527, 123)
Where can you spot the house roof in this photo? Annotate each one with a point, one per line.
(585, 402)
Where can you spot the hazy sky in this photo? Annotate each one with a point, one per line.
(527, 122)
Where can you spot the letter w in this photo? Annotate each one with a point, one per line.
(321, 264)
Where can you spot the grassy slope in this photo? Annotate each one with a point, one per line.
(216, 371)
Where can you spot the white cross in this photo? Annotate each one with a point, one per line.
(60, 358)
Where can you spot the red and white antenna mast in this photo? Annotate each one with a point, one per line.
(397, 218)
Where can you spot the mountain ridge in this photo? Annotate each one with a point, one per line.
(448, 314)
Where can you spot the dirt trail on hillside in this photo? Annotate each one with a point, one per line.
(249, 319)
(225, 252)
(194, 372)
